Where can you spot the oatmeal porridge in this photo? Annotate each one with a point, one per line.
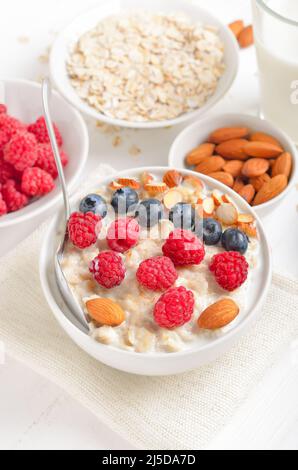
(157, 265)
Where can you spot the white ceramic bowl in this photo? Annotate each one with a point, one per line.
(156, 363)
(199, 131)
(67, 38)
(23, 100)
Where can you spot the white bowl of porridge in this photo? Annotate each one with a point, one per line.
(174, 290)
(141, 64)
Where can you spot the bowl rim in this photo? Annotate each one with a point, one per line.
(220, 341)
(193, 126)
(19, 217)
(88, 110)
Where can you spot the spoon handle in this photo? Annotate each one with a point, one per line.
(46, 94)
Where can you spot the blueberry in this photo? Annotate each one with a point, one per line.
(212, 231)
(149, 212)
(234, 240)
(94, 203)
(183, 216)
(123, 199)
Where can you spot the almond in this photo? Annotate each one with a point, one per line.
(155, 188)
(271, 162)
(245, 218)
(271, 189)
(199, 153)
(146, 178)
(218, 315)
(227, 214)
(217, 197)
(199, 207)
(247, 192)
(227, 133)
(233, 167)
(262, 149)
(172, 178)
(172, 198)
(129, 182)
(194, 183)
(210, 165)
(282, 165)
(105, 311)
(250, 229)
(208, 206)
(246, 37)
(236, 27)
(226, 198)
(114, 185)
(233, 149)
(223, 177)
(263, 137)
(259, 181)
(238, 185)
(255, 167)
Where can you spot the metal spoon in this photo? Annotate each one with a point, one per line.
(64, 288)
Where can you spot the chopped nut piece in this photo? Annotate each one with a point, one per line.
(134, 151)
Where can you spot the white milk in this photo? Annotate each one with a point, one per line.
(277, 52)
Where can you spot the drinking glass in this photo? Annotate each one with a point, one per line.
(276, 39)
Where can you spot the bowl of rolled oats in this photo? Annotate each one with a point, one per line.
(144, 64)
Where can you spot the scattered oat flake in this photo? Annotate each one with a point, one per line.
(23, 39)
(117, 140)
(107, 128)
(134, 150)
(43, 58)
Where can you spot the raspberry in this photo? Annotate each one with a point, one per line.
(83, 229)
(230, 269)
(46, 161)
(21, 151)
(3, 109)
(184, 248)
(123, 234)
(3, 140)
(3, 206)
(7, 172)
(108, 269)
(157, 273)
(174, 308)
(8, 127)
(39, 129)
(36, 182)
(14, 199)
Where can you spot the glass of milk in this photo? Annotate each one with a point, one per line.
(276, 39)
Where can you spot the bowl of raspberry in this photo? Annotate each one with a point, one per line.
(28, 173)
(169, 267)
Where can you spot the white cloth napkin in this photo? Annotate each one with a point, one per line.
(176, 412)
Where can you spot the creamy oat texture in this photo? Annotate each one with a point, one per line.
(146, 67)
(139, 332)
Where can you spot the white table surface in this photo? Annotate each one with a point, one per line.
(36, 414)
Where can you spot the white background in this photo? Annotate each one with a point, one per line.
(35, 413)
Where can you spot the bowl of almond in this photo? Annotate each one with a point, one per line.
(247, 154)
